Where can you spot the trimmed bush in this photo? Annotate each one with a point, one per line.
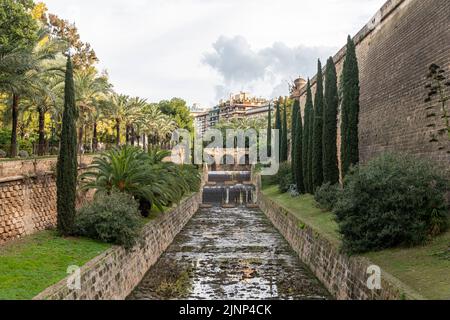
(393, 200)
(327, 195)
(23, 154)
(285, 179)
(113, 218)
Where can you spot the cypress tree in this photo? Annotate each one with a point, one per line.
(297, 147)
(317, 144)
(278, 127)
(350, 109)
(66, 179)
(269, 132)
(306, 159)
(294, 120)
(331, 103)
(284, 137)
(310, 147)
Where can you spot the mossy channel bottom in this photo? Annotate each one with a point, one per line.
(229, 254)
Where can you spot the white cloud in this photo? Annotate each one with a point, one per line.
(155, 48)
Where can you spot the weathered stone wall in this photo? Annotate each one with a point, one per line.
(33, 166)
(344, 277)
(115, 273)
(28, 197)
(394, 56)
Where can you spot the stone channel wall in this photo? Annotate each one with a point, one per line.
(116, 272)
(344, 277)
(28, 197)
(394, 53)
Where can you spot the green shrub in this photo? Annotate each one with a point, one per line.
(393, 200)
(23, 154)
(113, 218)
(327, 195)
(285, 178)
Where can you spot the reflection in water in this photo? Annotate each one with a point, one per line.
(229, 254)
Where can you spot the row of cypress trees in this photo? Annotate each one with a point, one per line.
(314, 145)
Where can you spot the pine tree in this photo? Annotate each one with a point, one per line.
(67, 161)
(331, 103)
(284, 136)
(350, 109)
(278, 127)
(297, 147)
(306, 159)
(269, 132)
(317, 144)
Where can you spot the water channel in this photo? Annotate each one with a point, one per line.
(229, 253)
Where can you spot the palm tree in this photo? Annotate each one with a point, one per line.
(20, 71)
(135, 109)
(90, 89)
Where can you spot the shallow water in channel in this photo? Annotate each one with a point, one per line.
(232, 254)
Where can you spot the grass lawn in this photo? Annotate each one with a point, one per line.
(426, 269)
(306, 210)
(30, 265)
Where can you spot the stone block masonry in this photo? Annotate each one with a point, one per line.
(28, 197)
(116, 272)
(394, 53)
(344, 277)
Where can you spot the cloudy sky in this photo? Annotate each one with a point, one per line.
(201, 50)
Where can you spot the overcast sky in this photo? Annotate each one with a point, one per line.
(201, 50)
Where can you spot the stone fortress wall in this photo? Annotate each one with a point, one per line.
(394, 52)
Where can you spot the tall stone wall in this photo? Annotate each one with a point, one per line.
(28, 197)
(394, 53)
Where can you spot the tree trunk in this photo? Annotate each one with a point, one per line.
(94, 138)
(80, 138)
(41, 146)
(132, 138)
(117, 132)
(138, 139)
(15, 116)
(143, 142)
(127, 134)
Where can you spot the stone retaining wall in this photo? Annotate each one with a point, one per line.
(28, 197)
(116, 272)
(344, 277)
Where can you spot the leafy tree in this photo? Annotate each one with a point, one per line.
(331, 103)
(84, 56)
(67, 161)
(306, 143)
(179, 111)
(317, 152)
(297, 147)
(350, 109)
(18, 29)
